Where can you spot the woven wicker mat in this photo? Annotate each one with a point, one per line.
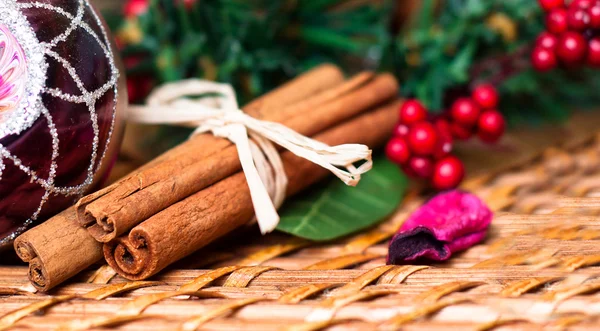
(536, 270)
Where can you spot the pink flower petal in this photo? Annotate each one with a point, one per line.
(13, 72)
(448, 223)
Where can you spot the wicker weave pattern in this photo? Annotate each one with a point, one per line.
(537, 269)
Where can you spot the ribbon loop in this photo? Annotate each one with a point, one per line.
(213, 107)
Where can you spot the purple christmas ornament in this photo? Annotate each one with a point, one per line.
(60, 108)
(448, 223)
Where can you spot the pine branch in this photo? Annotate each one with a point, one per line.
(254, 45)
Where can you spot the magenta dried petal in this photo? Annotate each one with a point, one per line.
(448, 223)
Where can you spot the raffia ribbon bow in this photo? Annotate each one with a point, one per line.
(220, 114)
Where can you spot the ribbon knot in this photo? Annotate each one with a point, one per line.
(212, 107)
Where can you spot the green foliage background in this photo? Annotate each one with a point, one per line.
(457, 43)
(445, 46)
(255, 45)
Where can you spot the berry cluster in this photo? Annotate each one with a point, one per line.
(477, 115)
(572, 36)
(422, 144)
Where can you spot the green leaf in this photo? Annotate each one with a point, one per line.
(459, 68)
(333, 210)
(329, 38)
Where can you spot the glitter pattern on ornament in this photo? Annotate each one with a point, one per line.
(58, 107)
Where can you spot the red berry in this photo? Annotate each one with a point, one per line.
(411, 112)
(593, 58)
(465, 112)
(448, 173)
(491, 126)
(397, 150)
(543, 59)
(443, 127)
(486, 96)
(408, 171)
(583, 4)
(548, 5)
(135, 8)
(460, 132)
(422, 138)
(579, 19)
(594, 13)
(557, 21)
(571, 48)
(444, 146)
(422, 167)
(401, 130)
(547, 40)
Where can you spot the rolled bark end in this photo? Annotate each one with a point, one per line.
(84, 218)
(100, 226)
(24, 250)
(130, 258)
(103, 231)
(57, 250)
(38, 276)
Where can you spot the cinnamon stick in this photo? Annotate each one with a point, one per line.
(268, 107)
(57, 250)
(115, 210)
(295, 91)
(217, 210)
(60, 248)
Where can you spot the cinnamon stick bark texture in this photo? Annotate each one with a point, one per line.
(219, 209)
(115, 210)
(312, 83)
(60, 248)
(57, 250)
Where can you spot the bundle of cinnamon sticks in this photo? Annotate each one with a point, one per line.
(196, 192)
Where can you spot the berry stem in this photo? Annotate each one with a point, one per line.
(509, 64)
